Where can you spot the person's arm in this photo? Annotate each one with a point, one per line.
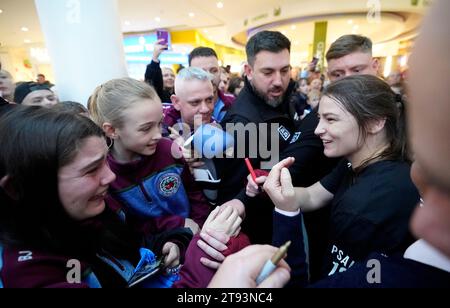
(148, 226)
(219, 229)
(291, 228)
(221, 226)
(153, 73)
(287, 198)
(24, 268)
(156, 242)
(312, 198)
(160, 224)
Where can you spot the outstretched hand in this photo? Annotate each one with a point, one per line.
(158, 48)
(279, 186)
(188, 153)
(216, 232)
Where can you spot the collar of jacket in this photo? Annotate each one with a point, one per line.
(227, 99)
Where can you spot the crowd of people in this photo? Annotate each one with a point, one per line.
(350, 168)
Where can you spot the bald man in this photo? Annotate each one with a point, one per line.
(426, 263)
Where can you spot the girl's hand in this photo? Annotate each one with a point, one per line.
(171, 254)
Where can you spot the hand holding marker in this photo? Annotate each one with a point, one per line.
(250, 169)
(271, 264)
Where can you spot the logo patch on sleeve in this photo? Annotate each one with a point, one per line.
(285, 134)
(169, 184)
(296, 136)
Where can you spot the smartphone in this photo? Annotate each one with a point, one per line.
(313, 64)
(163, 35)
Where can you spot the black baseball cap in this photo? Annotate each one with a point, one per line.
(25, 88)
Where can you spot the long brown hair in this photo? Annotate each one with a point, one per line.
(369, 98)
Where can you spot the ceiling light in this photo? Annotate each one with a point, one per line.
(1, 11)
(293, 27)
(219, 5)
(191, 15)
(157, 19)
(25, 29)
(26, 41)
(127, 23)
(350, 21)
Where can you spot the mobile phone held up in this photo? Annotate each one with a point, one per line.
(163, 35)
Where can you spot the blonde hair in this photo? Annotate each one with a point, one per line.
(314, 95)
(111, 99)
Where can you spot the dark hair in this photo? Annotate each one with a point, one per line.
(202, 52)
(71, 107)
(272, 41)
(368, 98)
(4, 107)
(36, 143)
(41, 75)
(235, 83)
(348, 44)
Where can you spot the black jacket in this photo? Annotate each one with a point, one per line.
(296, 139)
(250, 109)
(153, 76)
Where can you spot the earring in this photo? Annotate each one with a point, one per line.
(109, 142)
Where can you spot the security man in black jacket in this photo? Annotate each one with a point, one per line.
(264, 103)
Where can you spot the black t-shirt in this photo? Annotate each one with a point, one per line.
(388, 272)
(370, 212)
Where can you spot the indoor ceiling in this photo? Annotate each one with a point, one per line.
(229, 21)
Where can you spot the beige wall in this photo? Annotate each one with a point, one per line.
(13, 60)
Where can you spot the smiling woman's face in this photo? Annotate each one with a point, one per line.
(83, 183)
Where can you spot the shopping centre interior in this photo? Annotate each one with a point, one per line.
(311, 25)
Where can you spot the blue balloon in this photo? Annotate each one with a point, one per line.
(211, 141)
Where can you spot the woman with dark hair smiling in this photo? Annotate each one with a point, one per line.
(54, 178)
(371, 193)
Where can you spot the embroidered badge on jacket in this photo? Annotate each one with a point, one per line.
(284, 133)
(168, 184)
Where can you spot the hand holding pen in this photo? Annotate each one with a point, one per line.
(271, 264)
(254, 185)
(241, 269)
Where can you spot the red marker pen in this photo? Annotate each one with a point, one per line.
(250, 168)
